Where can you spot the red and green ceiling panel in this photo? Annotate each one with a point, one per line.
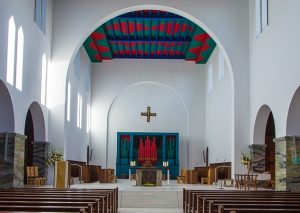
(150, 34)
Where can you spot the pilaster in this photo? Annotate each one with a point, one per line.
(12, 147)
(40, 154)
(287, 163)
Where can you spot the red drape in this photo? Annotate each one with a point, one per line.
(147, 151)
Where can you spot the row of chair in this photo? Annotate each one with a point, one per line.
(33, 177)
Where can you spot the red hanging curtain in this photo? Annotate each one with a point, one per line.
(147, 154)
(153, 151)
(141, 152)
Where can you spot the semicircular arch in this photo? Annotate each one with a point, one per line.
(7, 120)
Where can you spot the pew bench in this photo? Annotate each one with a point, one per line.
(103, 200)
(197, 200)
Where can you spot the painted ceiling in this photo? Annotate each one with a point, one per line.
(149, 34)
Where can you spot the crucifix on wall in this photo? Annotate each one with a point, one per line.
(148, 114)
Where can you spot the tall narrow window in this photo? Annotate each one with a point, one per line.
(78, 105)
(79, 110)
(40, 14)
(262, 15)
(210, 77)
(69, 103)
(20, 51)
(11, 51)
(88, 118)
(43, 80)
(221, 65)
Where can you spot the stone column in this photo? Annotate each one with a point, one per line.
(40, 154)
(287, 163)
(258, 156)
(12, 147)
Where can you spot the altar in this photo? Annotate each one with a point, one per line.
(148, 175)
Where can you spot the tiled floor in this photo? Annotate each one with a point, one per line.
(163, 199)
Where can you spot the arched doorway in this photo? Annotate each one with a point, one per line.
(270, 146)
(35, 131)
(264, 133)
(29, 132)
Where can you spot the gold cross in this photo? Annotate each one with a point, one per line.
(148, 114)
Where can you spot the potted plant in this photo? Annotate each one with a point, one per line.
(246, 161)
(54, 155)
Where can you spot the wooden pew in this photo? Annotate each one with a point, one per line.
(259, 207)
(40, 208)
(195, 200)
(191, 197)
(58, 201)
(108, 197)
(214, 205)
(258, 210)
(220, 200)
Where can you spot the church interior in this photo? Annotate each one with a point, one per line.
(149, 106)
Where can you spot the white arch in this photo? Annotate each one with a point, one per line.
(293, 117)
(38, 121)
(261, 124)
(189, 17)
(139, 84)
(7, 119)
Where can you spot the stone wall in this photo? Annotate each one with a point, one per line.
(12, 147)
(287, 163)
(258, 156)
(40, 153)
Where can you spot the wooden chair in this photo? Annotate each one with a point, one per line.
(33, 178)
(206, 180)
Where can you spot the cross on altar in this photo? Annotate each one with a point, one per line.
(148, 114)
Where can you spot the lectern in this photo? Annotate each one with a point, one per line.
(62, 174)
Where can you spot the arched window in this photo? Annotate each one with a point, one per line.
(20, 52)
(11, 51)
(88, 118)
(44, 80)
(210, 77)
(69, 103)
(221, 65)
(79, 110)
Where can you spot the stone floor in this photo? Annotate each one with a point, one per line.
(163, 199)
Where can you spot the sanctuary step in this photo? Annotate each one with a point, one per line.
(150, 199)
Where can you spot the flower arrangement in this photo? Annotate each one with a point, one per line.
(245, 159)
(54, 155)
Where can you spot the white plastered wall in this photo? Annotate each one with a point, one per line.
(122, 89)
(274, 59)
(226, 21)
(219, 132)
(76, 138)
(35, 45)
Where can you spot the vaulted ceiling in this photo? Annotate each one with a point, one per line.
(149, 34)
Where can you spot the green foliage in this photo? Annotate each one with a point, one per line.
(54, 155)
